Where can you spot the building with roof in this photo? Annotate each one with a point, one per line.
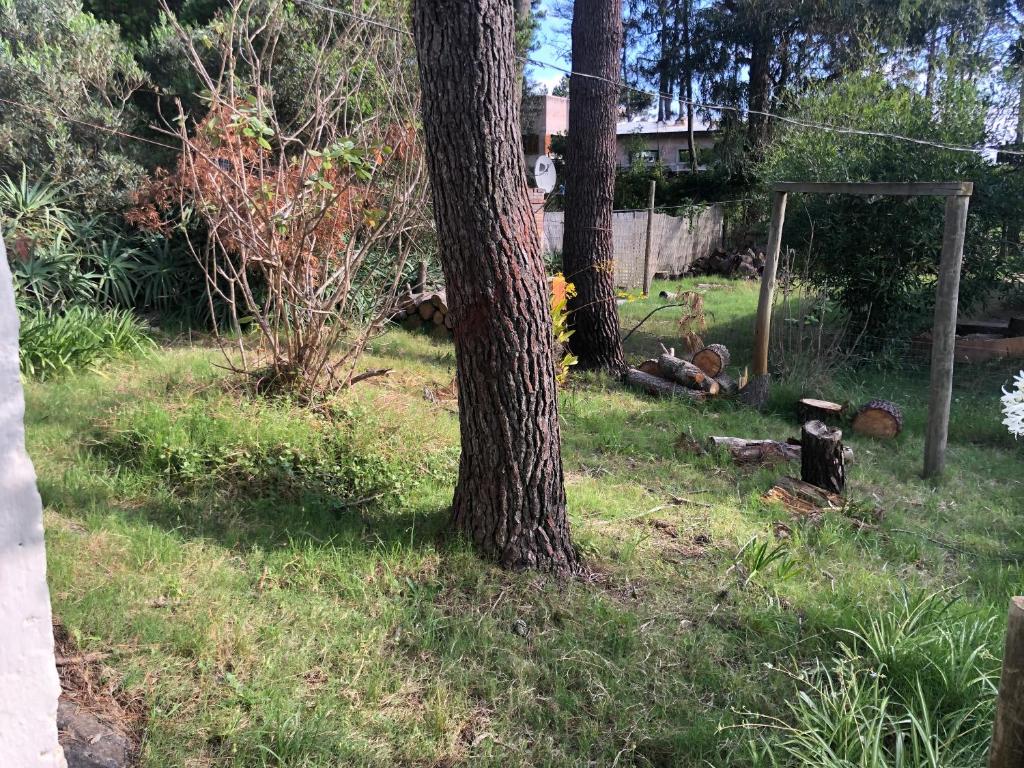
(651, 142)
(645, 141)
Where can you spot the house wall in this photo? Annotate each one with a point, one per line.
(28, 676)
(668, 145)
(542, 118)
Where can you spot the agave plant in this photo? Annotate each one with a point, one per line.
(35, 210)
(53, 277)
(118, 272)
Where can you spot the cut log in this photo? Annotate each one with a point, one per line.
(809, 409)
(653, 385)
(766, 451)
(821, 457)
(448, 322)
(413, 323)
(810, 493)
(426, 310)
(438, 317)
(713, 359)
(727, 385)
(878, 418)
(440, 301)
(681, 371)
(400, 315)
(650, 367)
(755, 451)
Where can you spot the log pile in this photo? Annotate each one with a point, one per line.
(425, 310)
(700, 377)
(748, 264)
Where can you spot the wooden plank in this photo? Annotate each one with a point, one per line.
(762, 329)
(944, 335)
(899, 189)
(647, 242)
(1007, 747)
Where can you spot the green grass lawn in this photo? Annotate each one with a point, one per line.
(277, 587)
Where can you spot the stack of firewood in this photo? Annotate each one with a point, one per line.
(428, 309)
(700, 377)
(746, 264)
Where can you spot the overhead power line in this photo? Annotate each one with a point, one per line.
(839, 129)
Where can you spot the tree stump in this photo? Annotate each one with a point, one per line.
(821, 457)
(809, 409)
(878, 418)
(713, 359)
(1007, 749)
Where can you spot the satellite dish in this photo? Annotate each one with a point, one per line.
(544, 176)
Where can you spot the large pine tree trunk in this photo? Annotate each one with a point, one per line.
(510, 498)
(587, 248)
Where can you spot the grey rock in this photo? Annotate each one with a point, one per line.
(88, 741)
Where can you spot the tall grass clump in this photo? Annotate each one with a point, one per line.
(913, 687)
(52, 344)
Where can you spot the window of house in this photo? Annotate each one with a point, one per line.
(648, 156)
(684, 156)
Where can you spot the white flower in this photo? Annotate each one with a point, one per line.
(1013, 406)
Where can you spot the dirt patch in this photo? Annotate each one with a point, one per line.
(99, 725)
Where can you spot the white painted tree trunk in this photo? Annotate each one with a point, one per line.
(29, 687)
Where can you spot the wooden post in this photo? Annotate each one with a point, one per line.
(762, 330)
(647, 245)
(421, 278)
(944, 334)
(1007, 749)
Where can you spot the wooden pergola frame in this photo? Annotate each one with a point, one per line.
(958, 195)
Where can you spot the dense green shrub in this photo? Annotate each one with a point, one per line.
(879, 256)
(56, 343)
(69, 81)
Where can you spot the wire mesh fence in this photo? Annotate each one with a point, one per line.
(676, 241)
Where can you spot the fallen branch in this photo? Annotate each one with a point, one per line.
(370, 374)
(656, 309)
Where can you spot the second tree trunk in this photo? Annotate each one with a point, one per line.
(588, 252)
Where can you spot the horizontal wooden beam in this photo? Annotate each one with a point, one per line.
(898, 189)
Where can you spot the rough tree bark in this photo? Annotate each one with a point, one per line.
(510, 498)
(587, 248)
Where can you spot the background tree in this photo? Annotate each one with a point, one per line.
(587, 248)
(510, 497)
